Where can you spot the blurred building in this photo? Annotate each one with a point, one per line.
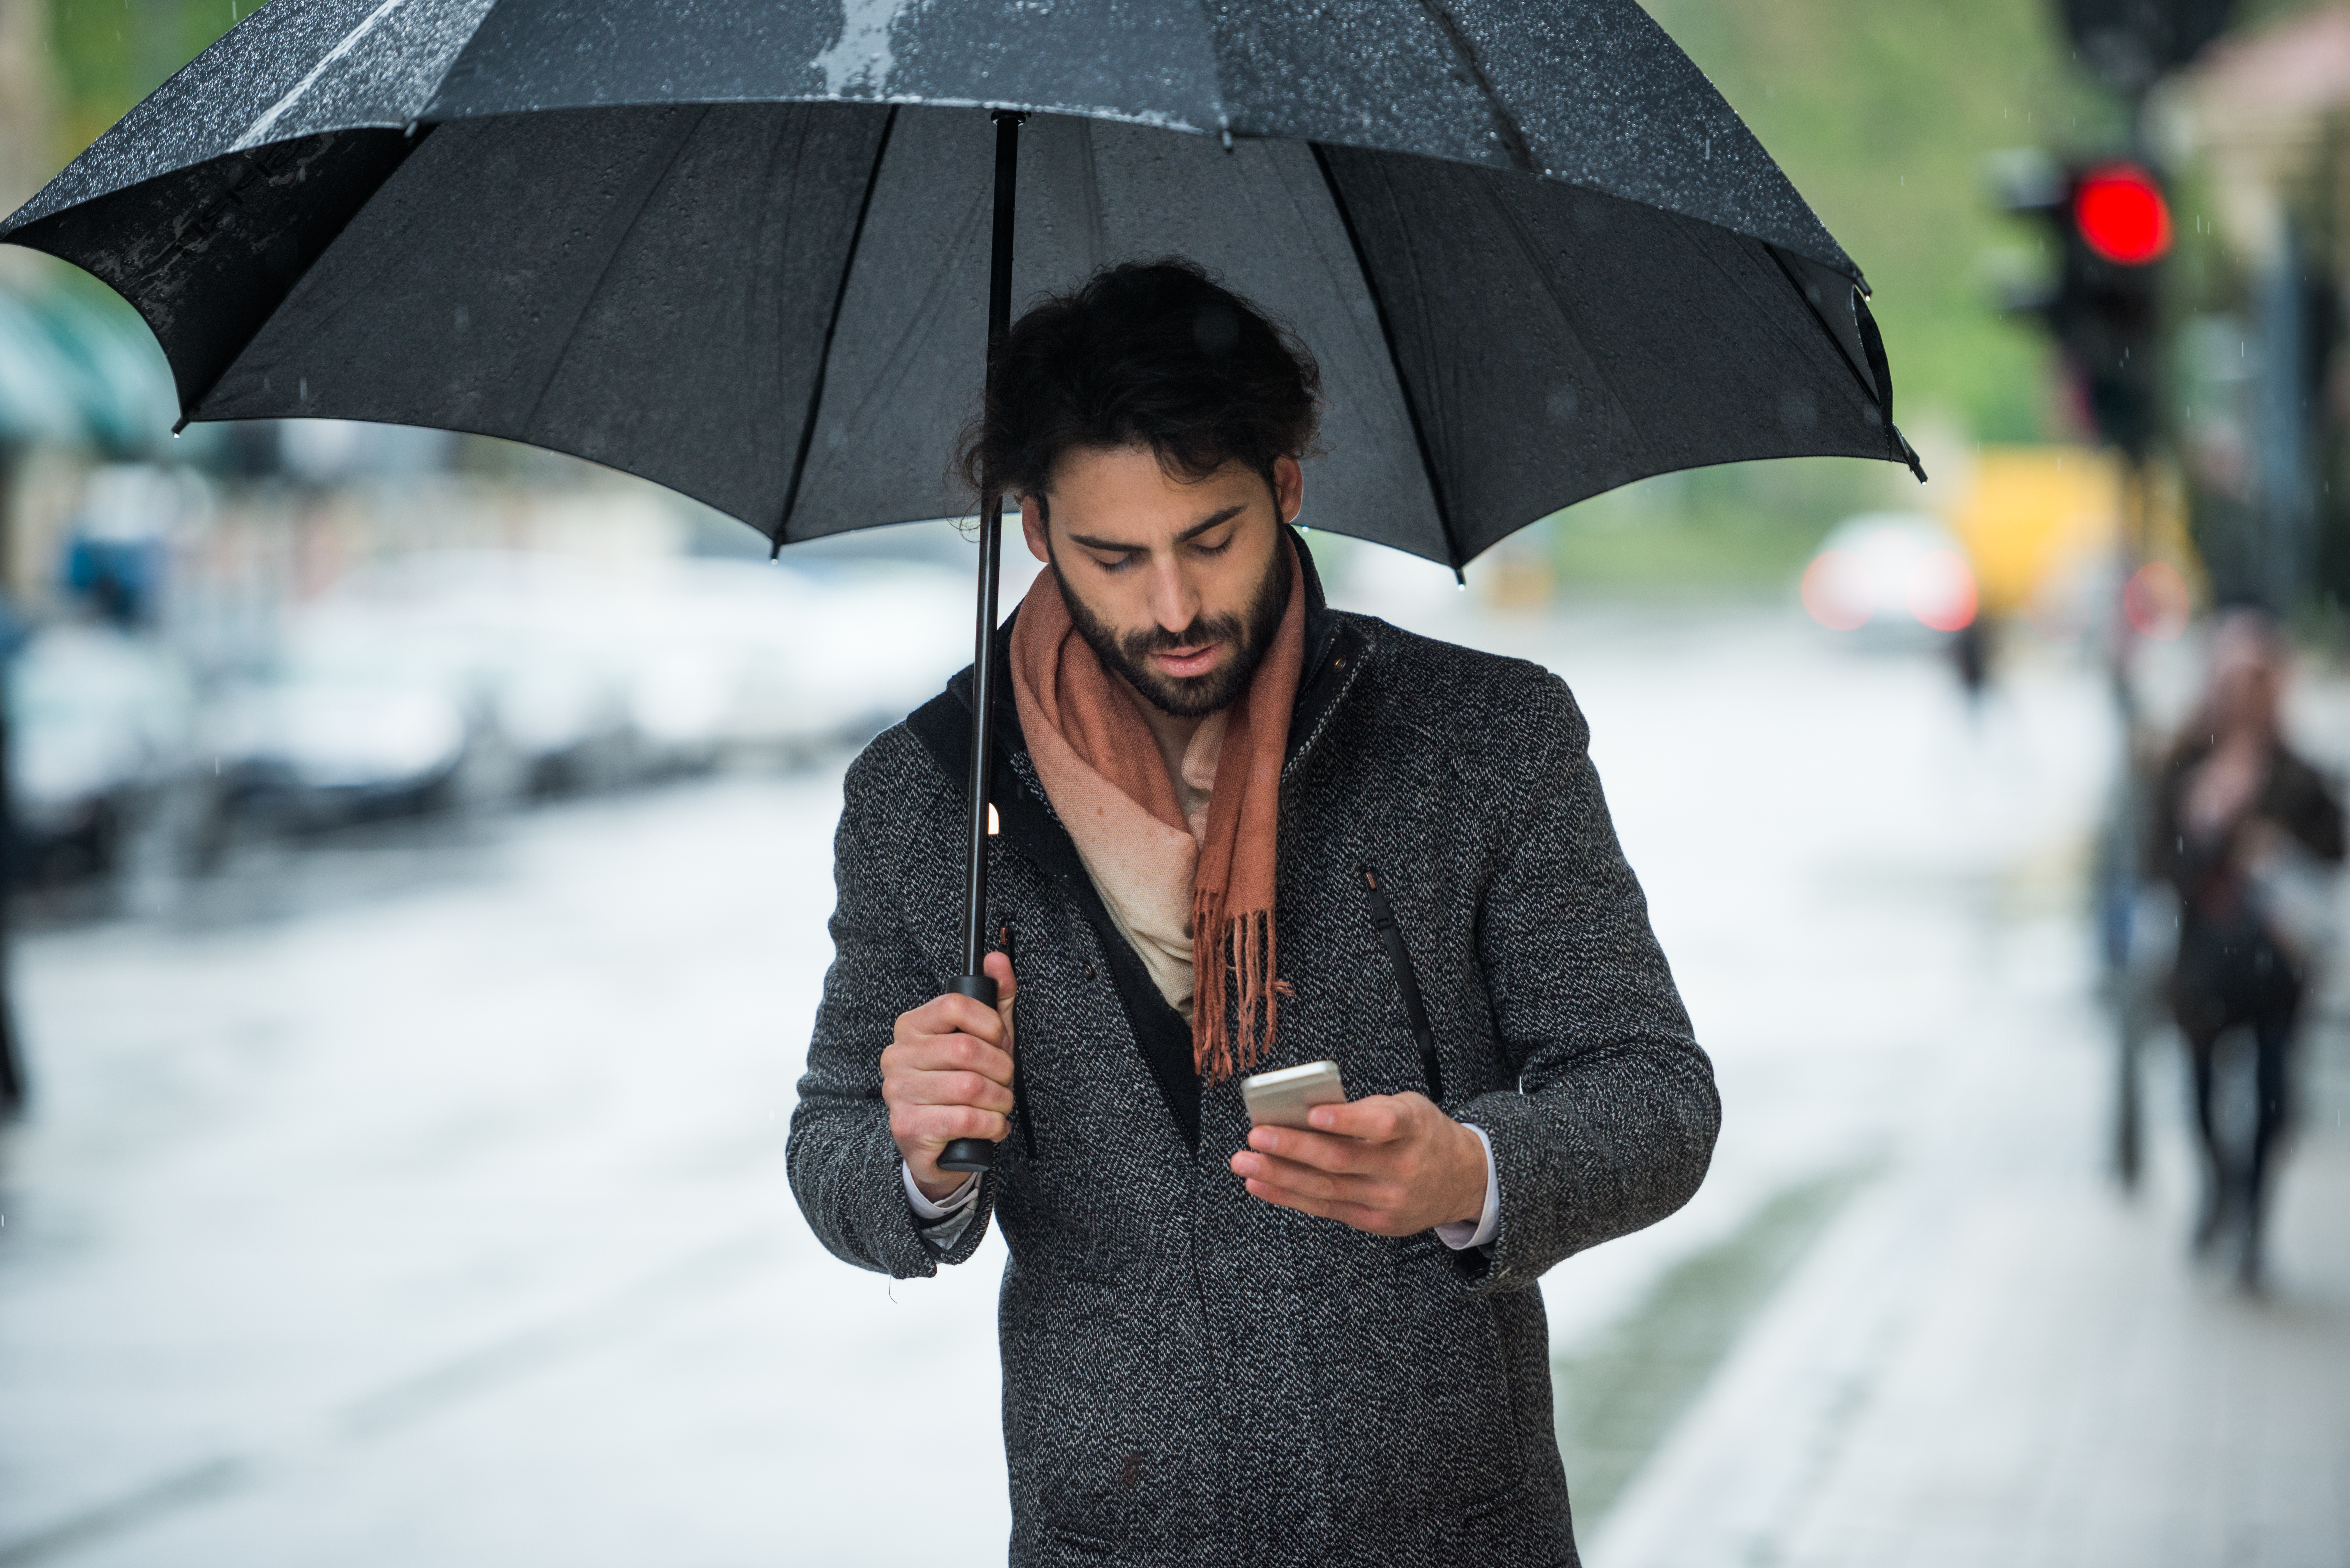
(2261, 126)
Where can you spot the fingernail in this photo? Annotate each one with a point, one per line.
(1245, 1166)
(1321, 1118)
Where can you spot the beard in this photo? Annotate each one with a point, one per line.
(1249, 635)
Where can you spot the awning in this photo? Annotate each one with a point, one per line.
(77, 369)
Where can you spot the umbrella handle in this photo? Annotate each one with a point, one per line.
(970, 1153)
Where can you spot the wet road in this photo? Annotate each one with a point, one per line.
(423, 1202)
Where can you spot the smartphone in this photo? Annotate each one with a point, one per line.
(1282, 1099)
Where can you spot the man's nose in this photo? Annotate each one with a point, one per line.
(1174, 602)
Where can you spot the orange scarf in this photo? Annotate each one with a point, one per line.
(1102, 770)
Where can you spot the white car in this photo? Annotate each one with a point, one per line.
(99, 722)
(349, 723)
(1898, 575)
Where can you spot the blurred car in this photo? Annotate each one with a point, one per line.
(1892, 575)
(783, 661)
(348, 725)
(525, 644)
(474, 676)
(99, 722)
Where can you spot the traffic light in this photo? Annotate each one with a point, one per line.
(2111, 228)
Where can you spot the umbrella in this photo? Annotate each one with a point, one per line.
(756, 250)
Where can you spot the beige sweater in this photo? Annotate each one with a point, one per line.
(1127, 851)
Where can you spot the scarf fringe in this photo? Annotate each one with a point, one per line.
(1243, 948)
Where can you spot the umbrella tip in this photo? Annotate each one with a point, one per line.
(1909, 456)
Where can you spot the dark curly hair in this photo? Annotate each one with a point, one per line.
(1145, 353)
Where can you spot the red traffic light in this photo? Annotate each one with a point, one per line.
(2121, 214)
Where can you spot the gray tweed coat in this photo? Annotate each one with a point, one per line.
(1192, 1375)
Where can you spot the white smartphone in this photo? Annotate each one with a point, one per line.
(1281, 1099)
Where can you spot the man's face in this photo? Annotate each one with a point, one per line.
(1178, 587)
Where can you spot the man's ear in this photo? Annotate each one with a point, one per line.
(1288, 488)
(1032, 524)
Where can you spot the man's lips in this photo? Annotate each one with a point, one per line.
(1183, 664)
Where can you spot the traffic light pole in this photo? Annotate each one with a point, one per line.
(2133, 996)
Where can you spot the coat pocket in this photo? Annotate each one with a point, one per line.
(1102, 1401)
(1407, 980)
(1420, 1407)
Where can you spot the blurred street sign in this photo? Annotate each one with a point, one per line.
(2129, 45)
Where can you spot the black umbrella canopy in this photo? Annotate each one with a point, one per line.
(741, 248)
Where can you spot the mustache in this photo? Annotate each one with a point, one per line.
(1140, 645)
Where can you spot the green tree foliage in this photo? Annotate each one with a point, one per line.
(109, 54)
(1882, 116)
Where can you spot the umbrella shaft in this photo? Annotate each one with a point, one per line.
(990, 558)
(982, 736)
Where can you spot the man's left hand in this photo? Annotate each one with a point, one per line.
(1393, 1164)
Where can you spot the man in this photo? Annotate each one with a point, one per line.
(2234, 809)
(1243, 830)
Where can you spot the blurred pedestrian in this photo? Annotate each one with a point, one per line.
(1279, 1345)
(2240, 822)
(1970, 660)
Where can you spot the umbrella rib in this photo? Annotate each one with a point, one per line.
(652, 174)
(268, 119)
(831, 327)
(1395, 362)
(1505, 124)
(1516, 226)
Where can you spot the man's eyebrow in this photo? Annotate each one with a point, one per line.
(1123, 547)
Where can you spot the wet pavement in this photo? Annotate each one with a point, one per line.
(422, 1200)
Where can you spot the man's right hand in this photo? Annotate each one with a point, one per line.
(948, 1075)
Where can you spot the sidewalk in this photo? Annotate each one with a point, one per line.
(1995, 1357)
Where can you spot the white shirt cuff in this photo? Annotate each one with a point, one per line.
(1459, 1234)
(962, 1198)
